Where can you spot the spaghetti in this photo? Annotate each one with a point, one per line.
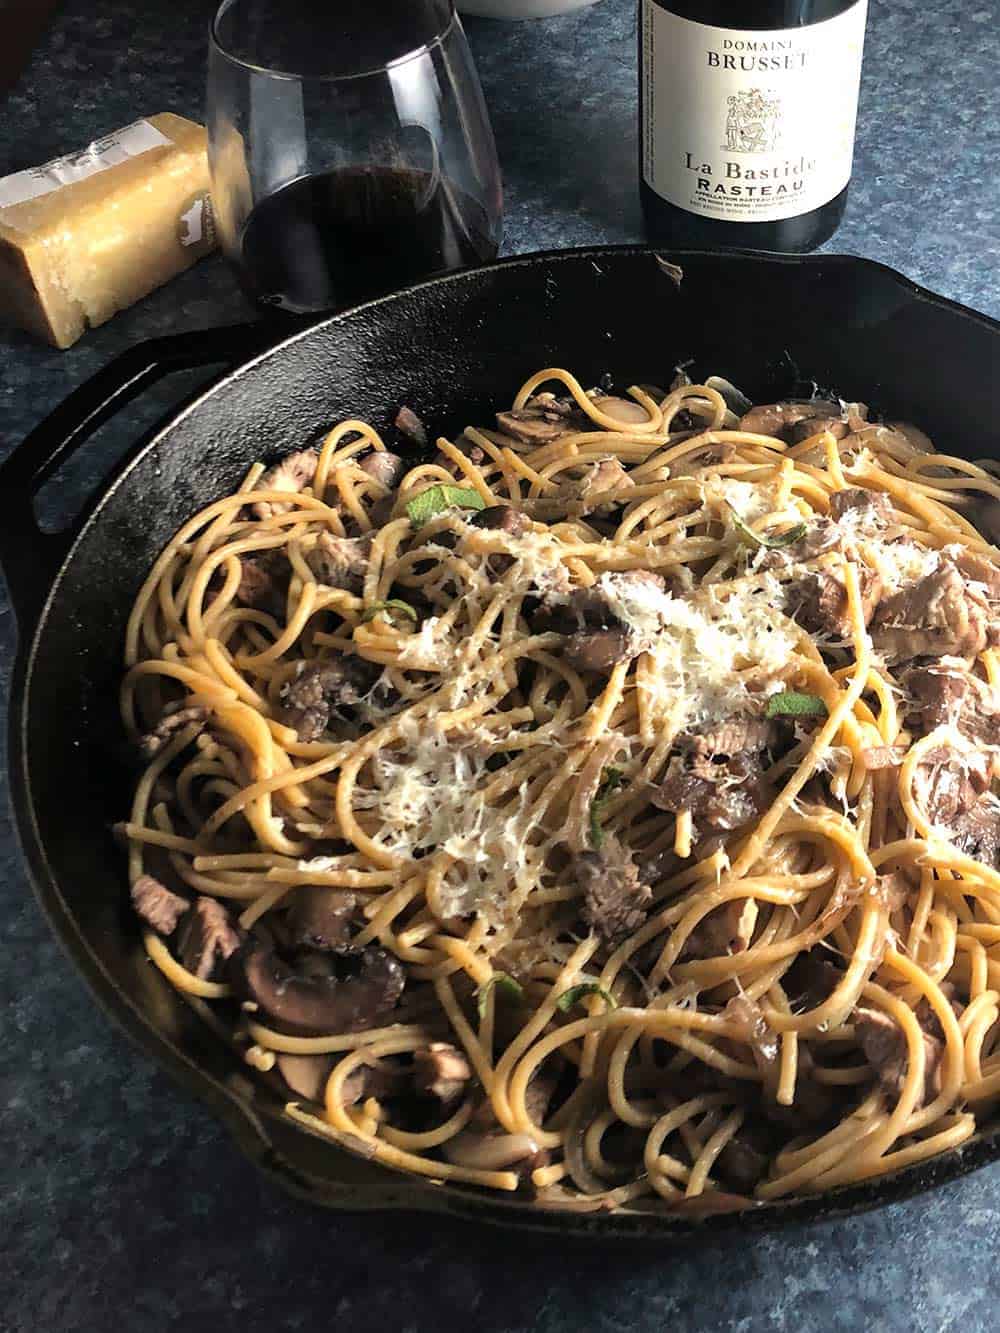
(602, 808)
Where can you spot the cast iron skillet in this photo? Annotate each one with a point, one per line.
(453, 349)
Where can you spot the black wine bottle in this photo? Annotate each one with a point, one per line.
(747, 110)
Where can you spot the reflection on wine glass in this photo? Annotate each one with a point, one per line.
(350, 148)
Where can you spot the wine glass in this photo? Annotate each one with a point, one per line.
(350, 148)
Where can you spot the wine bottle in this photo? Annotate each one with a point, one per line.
(747, 110)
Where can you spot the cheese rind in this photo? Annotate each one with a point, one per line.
(74, 254)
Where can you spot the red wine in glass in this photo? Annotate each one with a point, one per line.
(350, 149)
(339, 237)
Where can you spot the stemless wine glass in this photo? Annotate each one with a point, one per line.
(350, 148)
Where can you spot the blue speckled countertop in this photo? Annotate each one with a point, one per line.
(122, 1204)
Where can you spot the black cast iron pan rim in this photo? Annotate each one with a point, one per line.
(246, 1122)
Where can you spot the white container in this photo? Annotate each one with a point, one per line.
(521, 9)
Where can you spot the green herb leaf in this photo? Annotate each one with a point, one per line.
(436, 499)
(393, 604)
(506, 983)
(611, 780)
(575, 994)
(752, 538)
(789, 703)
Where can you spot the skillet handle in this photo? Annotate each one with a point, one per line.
(31, 557)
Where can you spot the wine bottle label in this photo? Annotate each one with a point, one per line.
(749, 126)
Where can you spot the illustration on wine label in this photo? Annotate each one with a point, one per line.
(753, 122)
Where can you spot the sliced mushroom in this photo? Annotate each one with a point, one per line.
(599, 649)
(530, 428)
(500, 518)
(914, 436)
(777, 419)
(321, 918)
(311, 1005)
(542, 419)
(306, 1075)
(810, 426)
(625, 410)
(490, 1152)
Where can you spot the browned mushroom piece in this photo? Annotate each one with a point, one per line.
(306, 1075)
(720, 796)
(321, 918)
(810, 426)
(624, 410)
(599, 650)
(256, 586)
(485, 1150)
(778, 419)
(868, 509)
(543, 419)
(500, 518)
(311, 1005)
(598, 635)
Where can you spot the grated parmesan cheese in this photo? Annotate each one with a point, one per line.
(425, 650)
(426, 800)
(750, 500)
(640, 603)
(697, 650)
(900, 563)
(321, 863)
(540, 556)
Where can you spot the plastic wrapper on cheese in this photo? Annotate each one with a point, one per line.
(89, 234)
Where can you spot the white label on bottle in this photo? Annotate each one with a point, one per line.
(749, 126)
(134, 139)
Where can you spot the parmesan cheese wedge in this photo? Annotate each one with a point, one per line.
(90, 234)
